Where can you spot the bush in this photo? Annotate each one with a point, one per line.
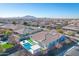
(1, 48)
(70, 33)
(14, 22)
(60, 31)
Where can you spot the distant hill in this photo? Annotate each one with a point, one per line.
(28, 17)
(32, 18)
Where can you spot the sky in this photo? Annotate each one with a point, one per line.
(54, 10)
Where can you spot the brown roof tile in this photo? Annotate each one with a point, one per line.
(50, 36)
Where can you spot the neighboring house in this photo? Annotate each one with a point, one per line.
(71, 27)
(12, 26)
(73, 51)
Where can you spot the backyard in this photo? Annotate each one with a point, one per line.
(7, 46)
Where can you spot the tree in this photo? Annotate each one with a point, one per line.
(60, 31)
(70, 33)
(7, 32)
(49, 27)
(58, 27)
(14, 22)
(37, 25)
(25, 23)
(43, 26)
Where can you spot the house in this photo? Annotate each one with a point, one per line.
(72, 27)
(12, 26)
(48, 40)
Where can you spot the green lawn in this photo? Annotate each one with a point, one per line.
(6, 46)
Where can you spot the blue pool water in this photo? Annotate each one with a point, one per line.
(27, 46)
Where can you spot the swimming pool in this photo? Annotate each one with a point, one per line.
(27, 46)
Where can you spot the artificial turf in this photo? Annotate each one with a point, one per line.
(7, 46)
(31, 41)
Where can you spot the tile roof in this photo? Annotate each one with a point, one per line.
(12, 26)
(72, 27)
(50, 36)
